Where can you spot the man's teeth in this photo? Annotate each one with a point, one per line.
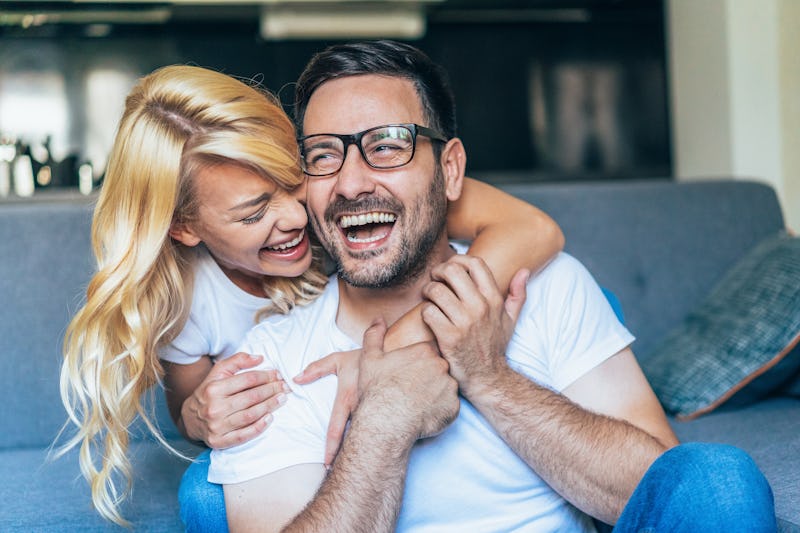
(368, 218)
(352, 238)
(290, 244)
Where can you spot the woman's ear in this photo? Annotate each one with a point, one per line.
(454, 163)
(183, 233)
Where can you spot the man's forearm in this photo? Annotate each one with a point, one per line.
(364, 489)
(593, 461)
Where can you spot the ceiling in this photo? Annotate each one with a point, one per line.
(243, 9)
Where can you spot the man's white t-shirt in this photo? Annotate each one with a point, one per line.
(466, 478)
(220, 316)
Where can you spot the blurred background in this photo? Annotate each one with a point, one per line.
(547, 90)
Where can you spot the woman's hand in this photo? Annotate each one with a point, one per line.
(345, 366)
(230, 407)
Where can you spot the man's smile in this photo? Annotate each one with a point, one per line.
(367, 228)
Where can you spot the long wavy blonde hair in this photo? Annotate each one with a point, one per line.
(177, 120)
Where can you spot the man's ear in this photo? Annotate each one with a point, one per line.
(454, 163)
(183, 233)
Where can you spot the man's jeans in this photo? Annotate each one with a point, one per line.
(692, 487)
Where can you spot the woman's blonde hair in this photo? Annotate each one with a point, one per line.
(177, 120)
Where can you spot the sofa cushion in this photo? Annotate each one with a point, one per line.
(746, 328)
(44, 495)
(770, 432)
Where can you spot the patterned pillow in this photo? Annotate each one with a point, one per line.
(746, 328)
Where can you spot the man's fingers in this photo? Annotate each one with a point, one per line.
(445, 300)
(373, 337)
(517, 294)
(438, 321)
(478, 276)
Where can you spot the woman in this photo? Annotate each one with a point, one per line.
(199, 225)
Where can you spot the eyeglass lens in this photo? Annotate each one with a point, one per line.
(384, 147)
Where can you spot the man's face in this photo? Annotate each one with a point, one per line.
(378, 225)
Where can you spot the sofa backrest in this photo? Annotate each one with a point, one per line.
(45, 265)
(659, 245)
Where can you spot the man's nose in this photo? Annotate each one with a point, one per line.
(354, 178)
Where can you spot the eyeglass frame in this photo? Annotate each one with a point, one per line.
(355, 138)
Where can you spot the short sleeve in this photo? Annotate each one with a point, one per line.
(188, 347)
(570, 325)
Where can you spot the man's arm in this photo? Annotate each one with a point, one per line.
(593, 443)
(404, 395)
(594, 457)
(362, 492)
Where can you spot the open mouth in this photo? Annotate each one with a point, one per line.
(367, 228)
(287, 247)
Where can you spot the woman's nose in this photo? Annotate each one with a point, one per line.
(294, 215)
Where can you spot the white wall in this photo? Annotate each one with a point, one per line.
(734, 71)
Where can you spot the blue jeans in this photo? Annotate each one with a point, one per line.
(700, 487)
(692, 487)
(202, 503)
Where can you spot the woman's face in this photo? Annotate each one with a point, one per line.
(250, 225)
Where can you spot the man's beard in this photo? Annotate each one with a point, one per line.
(429, 218)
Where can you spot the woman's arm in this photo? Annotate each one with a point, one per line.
(507, 233)
(217, 404)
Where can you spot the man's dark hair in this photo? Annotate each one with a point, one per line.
(387, 58)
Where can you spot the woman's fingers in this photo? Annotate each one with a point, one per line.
(373, 338)
(517, 294)
(234, 364)
(320, 368)
(339, 417)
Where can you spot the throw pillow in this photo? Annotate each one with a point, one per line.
(747, 327)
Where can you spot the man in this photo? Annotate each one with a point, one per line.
(559, 426)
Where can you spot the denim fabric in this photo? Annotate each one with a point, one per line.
(700, 487)
(202, 503)
(615, 304)
(692, 487)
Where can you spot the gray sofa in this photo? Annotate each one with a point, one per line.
(658, 245)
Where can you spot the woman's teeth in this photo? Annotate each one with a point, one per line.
(290, 244)
(368, 218)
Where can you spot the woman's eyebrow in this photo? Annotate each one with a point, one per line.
(252, 203)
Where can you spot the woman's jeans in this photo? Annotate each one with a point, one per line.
(692, 487)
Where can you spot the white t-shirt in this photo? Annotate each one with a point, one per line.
(221, 315)
(466, 478)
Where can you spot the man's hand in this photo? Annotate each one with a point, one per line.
(407, 393)
(231, 407)
(471, 320)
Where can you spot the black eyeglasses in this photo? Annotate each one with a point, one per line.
(382, 147)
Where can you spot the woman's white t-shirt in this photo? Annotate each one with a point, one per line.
(220, 316)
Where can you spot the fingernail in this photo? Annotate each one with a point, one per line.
(300, 375)
(281, 399)
(268, 419)
(286, 387)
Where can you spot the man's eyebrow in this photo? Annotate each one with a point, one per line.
(252, 203)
